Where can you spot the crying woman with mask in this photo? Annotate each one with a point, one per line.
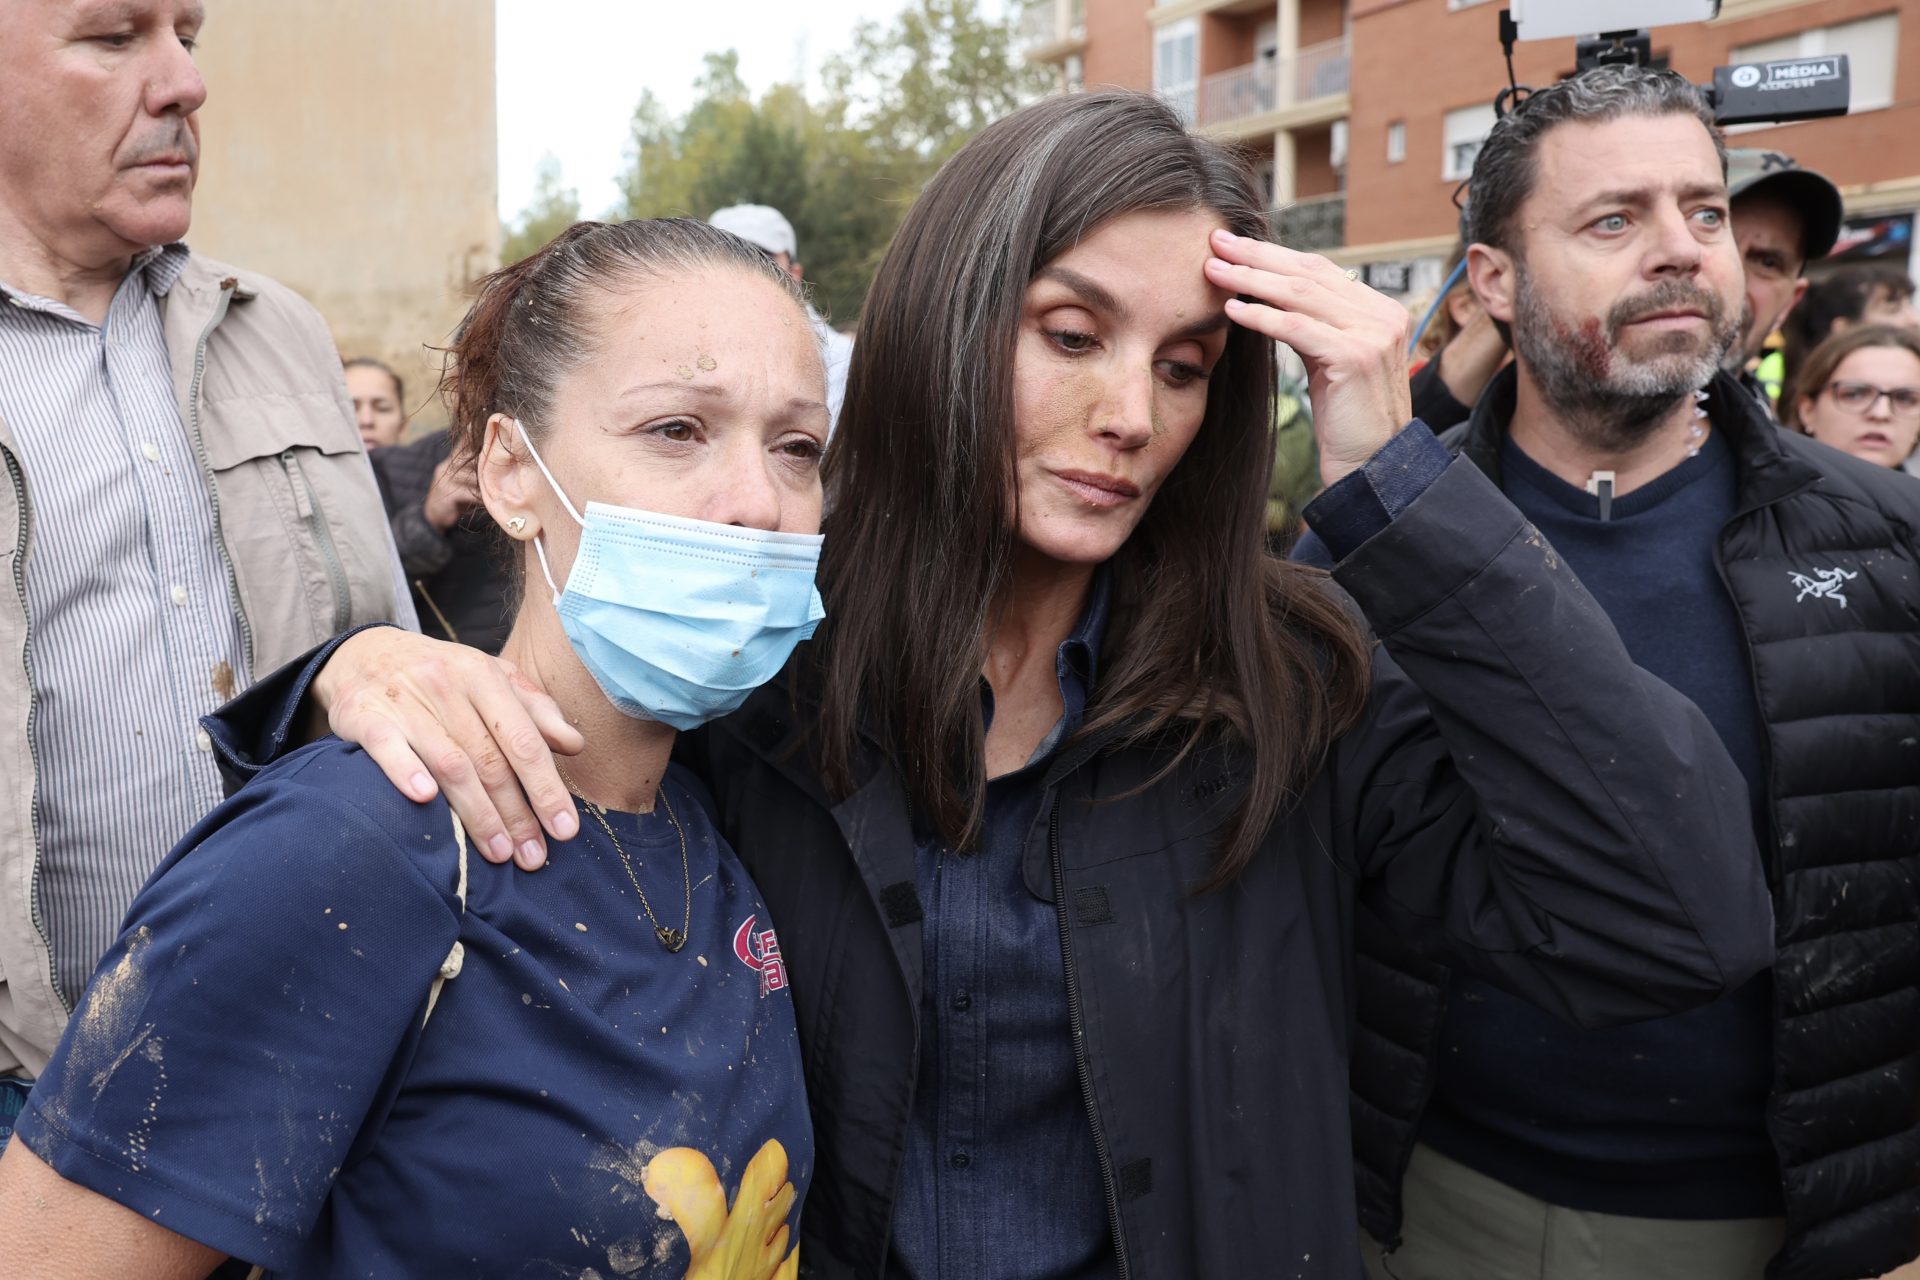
(320, 1045)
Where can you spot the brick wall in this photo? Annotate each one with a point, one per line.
(1414, 60)
(1119, 44)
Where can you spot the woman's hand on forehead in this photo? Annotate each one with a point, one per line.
(1352, 339)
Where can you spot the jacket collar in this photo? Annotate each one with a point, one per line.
(1766, 473)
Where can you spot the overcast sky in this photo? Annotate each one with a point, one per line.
(571, 71)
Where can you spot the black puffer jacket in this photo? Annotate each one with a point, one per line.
(1823, 566)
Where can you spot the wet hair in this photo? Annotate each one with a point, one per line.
(1827, 358)
(1211, 638)
(368, 362)
(1841, 294)
(1507, 167)
(533, 322)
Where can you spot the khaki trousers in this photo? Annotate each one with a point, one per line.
(1462, 1225)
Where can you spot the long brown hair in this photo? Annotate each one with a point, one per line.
(1211, 637)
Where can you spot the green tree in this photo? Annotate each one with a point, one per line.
(940, 73)
(552, 210)
(844, 166)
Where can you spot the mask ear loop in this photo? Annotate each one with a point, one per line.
(539, 550)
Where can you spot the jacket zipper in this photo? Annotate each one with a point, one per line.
(18, 476)
(227, 287)
(308, 504)
(1077, 1025)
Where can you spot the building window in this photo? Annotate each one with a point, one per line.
(1176, 65)
(1396, 142)
(1337, 145)
(1466, 132)
(1870, 43)
(1074, 73)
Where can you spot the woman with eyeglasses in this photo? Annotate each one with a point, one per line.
(1861, 394)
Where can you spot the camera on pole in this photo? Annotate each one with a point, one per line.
(1774, 92)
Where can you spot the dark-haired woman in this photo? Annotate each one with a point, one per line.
(320, 1046)
(1065, 811)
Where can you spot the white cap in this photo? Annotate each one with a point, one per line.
(759, 224)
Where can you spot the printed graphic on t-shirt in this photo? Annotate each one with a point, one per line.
(759, 950)
(749, 1243)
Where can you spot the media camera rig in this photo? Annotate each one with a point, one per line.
(1775, 92)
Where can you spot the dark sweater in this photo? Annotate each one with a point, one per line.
(1663, 1119)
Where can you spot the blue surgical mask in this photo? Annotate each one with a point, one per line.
(679, 620)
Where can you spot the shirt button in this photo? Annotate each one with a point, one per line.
(179, 594)
(151, 451)
(960, 1160)
(962, 1002)
(201, 740)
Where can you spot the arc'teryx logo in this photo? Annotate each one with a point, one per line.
(1824, 584)
(761, 952)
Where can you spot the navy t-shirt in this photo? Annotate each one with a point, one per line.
(249, 1066)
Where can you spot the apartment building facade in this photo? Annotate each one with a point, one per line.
(1364, 116)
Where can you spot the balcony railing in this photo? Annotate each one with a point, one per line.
(1312, 226)
(1318, 71)
(1045, 24)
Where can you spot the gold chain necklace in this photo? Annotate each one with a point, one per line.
(671, 939)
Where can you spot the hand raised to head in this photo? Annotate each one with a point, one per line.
(1352, 339)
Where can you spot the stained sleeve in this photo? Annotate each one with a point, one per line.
(1520, 798)
(257, 728)
(232, 1042)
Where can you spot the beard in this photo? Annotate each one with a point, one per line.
(1610, 397)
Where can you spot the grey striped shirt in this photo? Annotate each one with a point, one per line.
(133, 632)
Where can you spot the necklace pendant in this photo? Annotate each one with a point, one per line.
(671, 939)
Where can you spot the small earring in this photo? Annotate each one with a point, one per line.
(516, 524)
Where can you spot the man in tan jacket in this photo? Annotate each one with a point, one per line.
(183, 497)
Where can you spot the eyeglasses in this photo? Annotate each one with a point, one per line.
(1860, 397)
